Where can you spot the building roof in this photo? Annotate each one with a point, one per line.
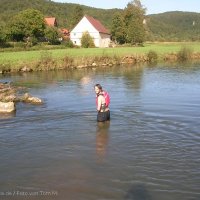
(51, 21)
(64, 30)
(97, 25)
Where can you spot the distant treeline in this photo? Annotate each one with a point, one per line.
(169, 26)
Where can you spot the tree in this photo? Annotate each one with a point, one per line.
(118, 29)
(52, 35)
(128, 27)
(133, 19)
(87, 41)
(28, 23)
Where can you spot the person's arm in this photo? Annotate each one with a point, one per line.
(99, 103)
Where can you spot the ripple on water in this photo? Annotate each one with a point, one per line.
(149, 150)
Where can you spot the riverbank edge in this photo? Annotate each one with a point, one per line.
(46, 63)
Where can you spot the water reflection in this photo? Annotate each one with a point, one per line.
(102, 138)
(138, 192)
(134, 76)
(7, 115)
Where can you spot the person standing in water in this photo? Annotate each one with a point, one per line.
(102, 104)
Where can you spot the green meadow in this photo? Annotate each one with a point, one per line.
(19, 58)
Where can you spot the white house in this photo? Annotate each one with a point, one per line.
(97, 31)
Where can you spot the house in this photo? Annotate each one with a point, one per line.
(97, 31)
(51, 21)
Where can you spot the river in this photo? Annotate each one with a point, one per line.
(150, 150)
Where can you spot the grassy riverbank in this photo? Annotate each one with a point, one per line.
(64, 58)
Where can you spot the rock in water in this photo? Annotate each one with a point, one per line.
(27, 98)
(7, 107)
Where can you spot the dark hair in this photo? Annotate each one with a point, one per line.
(99, 86)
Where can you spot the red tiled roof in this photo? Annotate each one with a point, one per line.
(64, 30)
(97, 25)
(51, 21)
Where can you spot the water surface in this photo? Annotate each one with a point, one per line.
(149, 150)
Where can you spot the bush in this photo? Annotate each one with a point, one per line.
(52, 35)
(184, 54)
(31, 41)
(68, 43)
(152, 56)
(87, 41)
(5, 68)
(5, 45)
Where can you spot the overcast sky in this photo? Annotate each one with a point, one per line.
(153, 6)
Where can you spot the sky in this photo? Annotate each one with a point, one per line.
(152, 6)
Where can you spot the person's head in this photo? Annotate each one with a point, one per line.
(98, 88)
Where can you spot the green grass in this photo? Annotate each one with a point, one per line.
(20, 57)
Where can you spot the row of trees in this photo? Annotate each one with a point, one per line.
(28, 26)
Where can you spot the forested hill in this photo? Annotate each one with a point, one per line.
(164, 26)
(175, 25)
(63, 12)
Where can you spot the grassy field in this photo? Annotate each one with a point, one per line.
(18, 58)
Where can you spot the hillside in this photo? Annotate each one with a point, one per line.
(170, 26)
(62, 11)
(174, 26)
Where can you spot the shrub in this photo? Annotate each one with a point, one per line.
(184, 54)
(68, 43)
(152, 56)
(5, 68)
(87, 41)
(52, 35)
(31, 41)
